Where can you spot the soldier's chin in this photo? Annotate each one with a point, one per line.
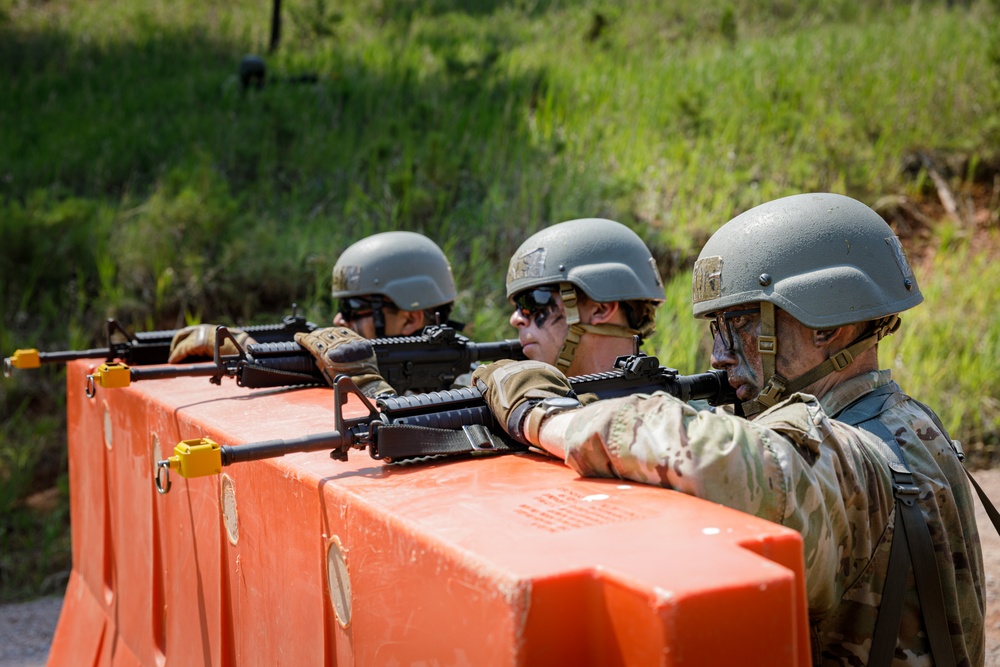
(532, 351)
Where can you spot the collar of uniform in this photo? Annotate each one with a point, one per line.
(851, 390)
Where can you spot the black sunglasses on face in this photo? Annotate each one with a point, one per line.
(722, 325)
(534, 300)
(356, 307)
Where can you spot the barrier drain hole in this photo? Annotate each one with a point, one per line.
(229, 517)
(339, 582)
(107, 426)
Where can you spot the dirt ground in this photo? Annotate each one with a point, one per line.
(990, 481)
(26, 628)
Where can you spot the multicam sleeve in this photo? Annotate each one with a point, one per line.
(659, 440)
(773, 467)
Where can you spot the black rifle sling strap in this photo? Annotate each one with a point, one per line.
(911, 543)
(405, 441)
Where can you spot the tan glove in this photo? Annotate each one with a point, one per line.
(340, 351)
(198, 340)
(522, 393)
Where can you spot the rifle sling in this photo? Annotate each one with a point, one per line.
(255, 376)
(405, 441)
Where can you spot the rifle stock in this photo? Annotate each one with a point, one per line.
(455, 421)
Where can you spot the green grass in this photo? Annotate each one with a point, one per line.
(138, 179)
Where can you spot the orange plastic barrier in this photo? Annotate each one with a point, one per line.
(301, 560)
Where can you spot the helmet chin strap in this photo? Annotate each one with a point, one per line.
(777, 387)
(378, 318)
(576, 328)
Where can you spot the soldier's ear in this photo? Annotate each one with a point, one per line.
(604, 312)
(831, 337)
(414, 322)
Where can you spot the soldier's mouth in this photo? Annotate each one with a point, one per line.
(528, 347)
(744, 390)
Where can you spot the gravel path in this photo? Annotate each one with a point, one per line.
(26, 628)
(26, 631)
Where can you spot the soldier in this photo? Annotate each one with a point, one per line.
(584, 292)
(393, 284)
(388, 284)
(798, 292)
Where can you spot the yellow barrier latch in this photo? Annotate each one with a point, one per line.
(192, 458)
(21, 359)
(109, 376)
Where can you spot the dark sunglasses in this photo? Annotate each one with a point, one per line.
(356, 307)
(722, 325)
(534, 300)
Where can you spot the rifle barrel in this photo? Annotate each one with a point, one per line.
(174, 371)
(72, 355)
(333, 440)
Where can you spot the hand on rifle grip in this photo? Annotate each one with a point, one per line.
(341, 351)
(513, 388)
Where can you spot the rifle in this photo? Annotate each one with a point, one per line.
(432, 360)
(451, 422)
(147, 347)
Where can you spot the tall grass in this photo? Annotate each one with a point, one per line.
(138, 179)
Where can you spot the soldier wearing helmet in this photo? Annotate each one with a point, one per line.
(392, 284)
(798, 293)
(582, 291)
(388, 284)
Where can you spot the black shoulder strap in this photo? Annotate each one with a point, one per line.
(911, 544)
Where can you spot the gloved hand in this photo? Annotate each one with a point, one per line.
(515, 391)
(198, 340)
(341, 351)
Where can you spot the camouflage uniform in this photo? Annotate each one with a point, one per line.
(795, 466)
(946, 500)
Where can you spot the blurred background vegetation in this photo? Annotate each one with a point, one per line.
(140, 179)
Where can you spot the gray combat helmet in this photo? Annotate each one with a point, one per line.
(604, 259)
(406, 267)
(826, 259)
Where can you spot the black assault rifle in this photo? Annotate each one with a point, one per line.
(426, 362)
(451, 422)
(147, 347)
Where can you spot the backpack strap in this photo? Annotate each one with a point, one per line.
(868, 408)
(911, 544)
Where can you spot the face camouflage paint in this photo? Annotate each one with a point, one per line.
(542, 316)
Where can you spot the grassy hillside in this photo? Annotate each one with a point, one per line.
(140, 179)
